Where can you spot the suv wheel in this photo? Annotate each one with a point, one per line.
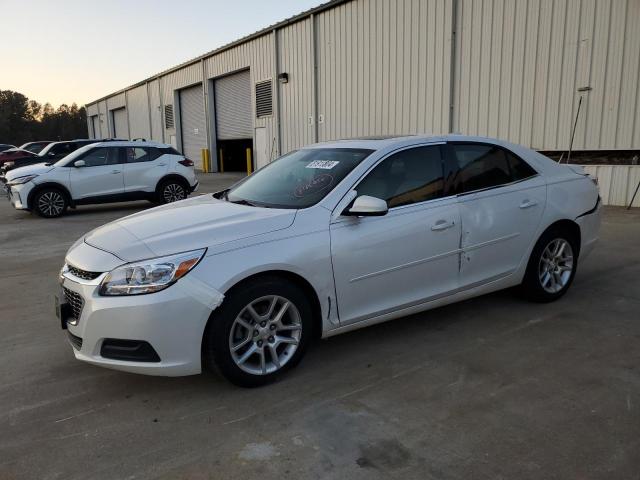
(552, 266)
(171, 191)
(259, 332)
(50, 203)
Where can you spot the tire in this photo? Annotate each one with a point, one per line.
(171, 190)
(50, 203)
(235, 338)
(552, 266)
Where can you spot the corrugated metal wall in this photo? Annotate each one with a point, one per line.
(519, 66)
(138, 108)
(105, 120)
(92, 112)
(156, 111)
(616, 183)
(296, 96)
(384, 67)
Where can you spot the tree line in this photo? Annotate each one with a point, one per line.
(23, 120)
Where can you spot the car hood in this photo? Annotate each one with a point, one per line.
(198, 222)
(37, 169)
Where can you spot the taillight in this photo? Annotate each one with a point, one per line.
(186, 162)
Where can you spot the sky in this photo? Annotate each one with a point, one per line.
(65, 51)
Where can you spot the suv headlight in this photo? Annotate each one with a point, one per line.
(149, 276)
(21, 180)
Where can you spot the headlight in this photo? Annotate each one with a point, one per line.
(21, 180)
(151, 275)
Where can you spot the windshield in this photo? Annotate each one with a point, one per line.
(46, 149)
(299, 179)
(68, 160)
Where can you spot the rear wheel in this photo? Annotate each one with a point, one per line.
(552, 266)
(171, 191)
(261, 330)
(50, 203)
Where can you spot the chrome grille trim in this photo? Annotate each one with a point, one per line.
(83, 274)
(75, 300)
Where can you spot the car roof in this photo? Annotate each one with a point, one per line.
(384, 141)
(130, 143)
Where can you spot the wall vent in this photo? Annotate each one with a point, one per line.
(264, 99)
(168, 116)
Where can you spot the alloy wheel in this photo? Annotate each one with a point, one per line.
(173, 192)
(265, 335)
(556, 265)
(51, 203)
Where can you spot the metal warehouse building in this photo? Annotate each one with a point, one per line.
(512, 69)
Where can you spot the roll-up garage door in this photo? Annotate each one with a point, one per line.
(96, 126)
(120, 129)
(194, 129)
(233, 107)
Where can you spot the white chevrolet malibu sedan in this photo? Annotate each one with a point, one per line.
(326, 239)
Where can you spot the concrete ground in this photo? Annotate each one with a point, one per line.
(493, 387)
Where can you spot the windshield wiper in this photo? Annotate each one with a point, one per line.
(242, 202)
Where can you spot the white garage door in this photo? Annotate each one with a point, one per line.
(96, 126)
(194, 129)
(120, 129)
(233, 107)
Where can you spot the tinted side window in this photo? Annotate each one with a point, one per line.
(168, 151)
(519, 168)
(479, 166)
(137, 154)
(407, 177)
(100, 156)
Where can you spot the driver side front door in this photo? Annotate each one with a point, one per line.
(101, 176)
(406, 257)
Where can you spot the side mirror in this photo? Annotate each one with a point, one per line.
(79, 163)
(366, 206)
(51, 154)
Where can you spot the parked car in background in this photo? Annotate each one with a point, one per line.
(4, 146)
(35, 147)
(324, 240)
(103, 172)
(49, 154)
(13, 154)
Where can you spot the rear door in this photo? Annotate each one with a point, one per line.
(143, 167)
(501, 201)
(102, 174)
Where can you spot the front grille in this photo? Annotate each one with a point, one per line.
(75, 341)
(83, 274)
(76, 301)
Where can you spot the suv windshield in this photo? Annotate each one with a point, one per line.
(299, 179)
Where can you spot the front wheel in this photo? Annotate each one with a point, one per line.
(261, 330)
(50, 203)
(171, 191)
(552, 266)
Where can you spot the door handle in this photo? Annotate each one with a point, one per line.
(528, 204)
(442, 225)
(116, 171)
(162, 164)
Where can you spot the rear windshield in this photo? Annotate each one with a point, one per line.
(299, 179)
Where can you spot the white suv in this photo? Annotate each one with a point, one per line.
(100, 173)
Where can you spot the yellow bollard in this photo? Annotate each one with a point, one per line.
(205, 164)
(221, 162)
(249, 164)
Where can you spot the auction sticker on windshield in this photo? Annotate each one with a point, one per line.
(324, 164)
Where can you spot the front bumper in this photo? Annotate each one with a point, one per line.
(172, 321)
(18, 194)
